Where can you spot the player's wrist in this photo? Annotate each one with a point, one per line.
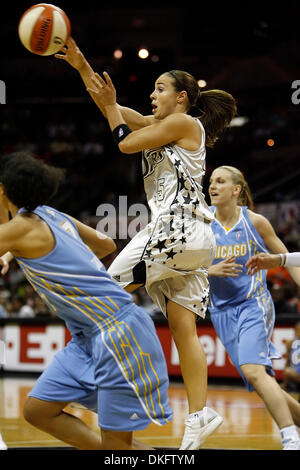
(110, 106)
(120, 132)
(83, 66)
(281, 257)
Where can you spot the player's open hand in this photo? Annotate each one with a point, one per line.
(262, 261)
(103, 91)
(226, 268)
(71, 54)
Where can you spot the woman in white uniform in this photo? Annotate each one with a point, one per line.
(171, 256)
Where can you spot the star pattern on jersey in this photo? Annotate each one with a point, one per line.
(161, 244)
(203, 302)
(171, 253)
(181, 182)
(186, 185)
(173, 229)
(167, 227)
(196, 203)
(187, 199)
(162, 249)
(177, 163)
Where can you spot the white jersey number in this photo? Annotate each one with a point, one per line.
(160, 189)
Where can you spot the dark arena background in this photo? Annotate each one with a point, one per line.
(251, 50)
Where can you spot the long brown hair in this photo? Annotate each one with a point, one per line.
(245, 196)
(214, 108)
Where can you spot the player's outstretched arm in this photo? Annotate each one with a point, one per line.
(269, 261)
(72, 54)
(262, 261)
(273, 243)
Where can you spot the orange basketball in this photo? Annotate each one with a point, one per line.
(44, 29)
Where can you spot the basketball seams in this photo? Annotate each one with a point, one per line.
(44, 29)
(39, 42)
(66, 19)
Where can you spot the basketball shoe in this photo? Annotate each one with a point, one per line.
(291, 444)
(3, 446)
(198, 426)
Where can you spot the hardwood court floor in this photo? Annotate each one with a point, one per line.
(247, 424)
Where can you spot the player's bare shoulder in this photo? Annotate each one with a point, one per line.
(182, 118)
(258, 220)
(262, 225)
(23, 225)
(191, 131)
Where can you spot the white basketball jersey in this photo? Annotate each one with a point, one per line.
(173, 179)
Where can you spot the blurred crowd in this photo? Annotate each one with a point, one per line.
(17, 298)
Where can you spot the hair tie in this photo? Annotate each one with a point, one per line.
(179, 84)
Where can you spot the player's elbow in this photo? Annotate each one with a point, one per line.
(104, 247)
(108, 248)
(126, 147)
(112, 246)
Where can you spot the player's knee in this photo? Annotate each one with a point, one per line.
(182, 332)
(253, 373)
(36, 412)
(181, 323)
(31, 412)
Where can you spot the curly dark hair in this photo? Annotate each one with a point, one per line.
(28, 181)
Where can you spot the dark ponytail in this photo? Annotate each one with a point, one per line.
(214, 108)
(218, 109)
(28, 182)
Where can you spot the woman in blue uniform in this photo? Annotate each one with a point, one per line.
(242, 309)
(114, 363)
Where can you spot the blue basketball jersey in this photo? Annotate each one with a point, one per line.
(71, 280)
(241, 241)
(295, 355)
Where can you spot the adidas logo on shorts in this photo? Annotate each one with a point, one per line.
(134, 416)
